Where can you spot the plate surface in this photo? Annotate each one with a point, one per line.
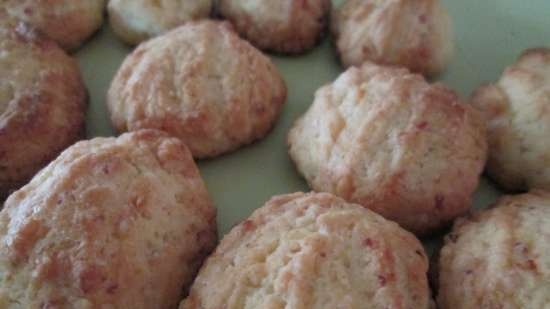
(489, 35)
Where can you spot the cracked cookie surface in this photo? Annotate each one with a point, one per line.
(313, 251)
(67, 22)
(517, 113)
(498, 258)
(201, 83)
(42, 103)
(134, 21)
(283, 26)
(413, 34)
(385, 138)
(111, 223)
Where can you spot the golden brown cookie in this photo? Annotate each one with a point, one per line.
(385, 138)
(499, 258)
(199, 82)
(313, 251)
(517, 113)
(283, 26)
(134, 21)
(68, 22)
(111, 223)
(414, 34)
(42, 103)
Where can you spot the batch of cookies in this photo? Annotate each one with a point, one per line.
(127, 222)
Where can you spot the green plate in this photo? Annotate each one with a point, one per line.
(489, 35)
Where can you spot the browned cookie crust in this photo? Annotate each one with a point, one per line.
(68, 22)
(42, 103)
(385, 138)
(111, 223)
(498, 258)
(313, 251)
(199, 82)
(282, 26)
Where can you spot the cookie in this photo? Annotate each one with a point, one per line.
(385, 138)
(111, 223)
(134, 21)
(499, 258)
(42, 103)
(413, 34)
(284, 26)
(517, 113)
(199, 82)
(313, 251)
(67, 22)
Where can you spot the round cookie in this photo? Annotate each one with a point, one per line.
(499, 258)
(42, 103)
(414, 34)
(283, 26)
(199, 82)
(388, 140)
(313, 251)
(134, 21)
(68, 22)
(517, 113)
(111, 223)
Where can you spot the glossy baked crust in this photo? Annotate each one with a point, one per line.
(498, 258)
(313, 251)
(387, 139)
(283, 26)
(42, 103)
(199, 82)
(111, 223)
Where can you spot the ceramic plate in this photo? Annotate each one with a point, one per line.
(489, 35)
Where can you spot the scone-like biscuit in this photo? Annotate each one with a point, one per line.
(313, 251)
(414, 34)
(283, 26)
(134, 21)
(499, 258)
(111, 223)
(68, 22)
(385, 138)
(199, 82)
(42, 103)
(517, 113)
